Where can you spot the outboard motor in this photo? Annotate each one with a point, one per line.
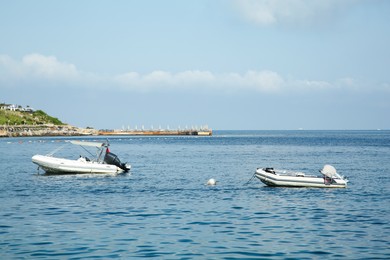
(111, 158)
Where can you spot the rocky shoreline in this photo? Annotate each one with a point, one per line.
(44, 130)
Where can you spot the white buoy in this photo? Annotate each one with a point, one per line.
(211, 182)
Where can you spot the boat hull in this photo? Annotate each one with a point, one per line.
(55, 165)
(274, 179)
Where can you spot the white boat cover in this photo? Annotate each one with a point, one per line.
(93, 144)
(329, 171)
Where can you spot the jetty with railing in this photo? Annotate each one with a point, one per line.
(202, 131)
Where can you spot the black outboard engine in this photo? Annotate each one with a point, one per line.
(111, 158)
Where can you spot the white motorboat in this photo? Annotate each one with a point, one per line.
(107, 164)
(329, 179)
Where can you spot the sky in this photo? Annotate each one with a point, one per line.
(227, 64)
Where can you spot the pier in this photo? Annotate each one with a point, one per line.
(199, 132)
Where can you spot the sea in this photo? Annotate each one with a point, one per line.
(162, 208)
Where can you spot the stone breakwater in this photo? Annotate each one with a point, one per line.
(43, 130)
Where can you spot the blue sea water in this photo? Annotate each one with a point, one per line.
(163, 208)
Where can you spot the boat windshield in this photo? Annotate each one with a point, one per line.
(92, 144)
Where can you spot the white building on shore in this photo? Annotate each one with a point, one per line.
(12, 107)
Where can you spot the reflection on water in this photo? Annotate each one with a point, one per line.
(164, 209)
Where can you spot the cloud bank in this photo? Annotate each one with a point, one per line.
(266, 12)
(263, 81)
(48, 71)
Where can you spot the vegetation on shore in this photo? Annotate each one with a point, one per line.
(38, 117)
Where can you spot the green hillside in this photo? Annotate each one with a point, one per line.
(27, 118)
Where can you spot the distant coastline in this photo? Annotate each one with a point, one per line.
(68, 130)
(20, 121)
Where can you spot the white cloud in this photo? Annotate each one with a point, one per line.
(37, 67)
(268, 12)
(263, 80)
(195, 77)
(312, 84)
(49, 67)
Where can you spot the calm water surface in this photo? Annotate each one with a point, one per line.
(163, 209)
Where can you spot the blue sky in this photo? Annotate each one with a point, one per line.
(249, 64)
